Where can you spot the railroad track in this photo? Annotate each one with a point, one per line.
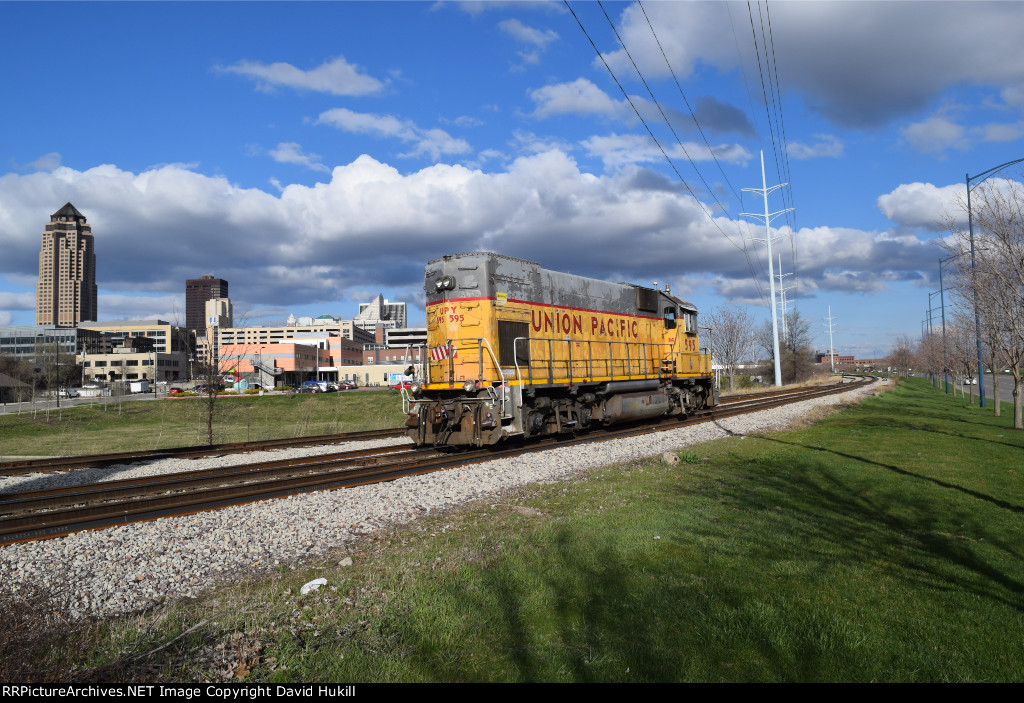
(68, 463)
(51, 513)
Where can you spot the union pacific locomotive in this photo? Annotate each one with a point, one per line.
(515, 350)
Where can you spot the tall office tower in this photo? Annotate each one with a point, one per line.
(66, 293)
(197, 292)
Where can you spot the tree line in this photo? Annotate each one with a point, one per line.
(737, 337)
(983, 282)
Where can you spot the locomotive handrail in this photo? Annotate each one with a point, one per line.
(451, 343)
(636, 360)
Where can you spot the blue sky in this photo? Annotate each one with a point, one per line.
(315, 154)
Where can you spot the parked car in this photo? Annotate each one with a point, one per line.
(346, 386)
(401, 384)
(175, 389)
(67, 393)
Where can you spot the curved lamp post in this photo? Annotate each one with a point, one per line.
(981, 177)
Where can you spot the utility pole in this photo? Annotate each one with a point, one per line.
(831, 349)
(764, 190)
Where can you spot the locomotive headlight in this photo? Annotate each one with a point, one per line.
(416, 389)
(469, 386)
(445, 283)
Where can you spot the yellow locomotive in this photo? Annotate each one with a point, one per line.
(518, 350)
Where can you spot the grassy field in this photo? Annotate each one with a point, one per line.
(881, 544)
(174, 422)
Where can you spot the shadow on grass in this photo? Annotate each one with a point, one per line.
(939, 543)
(714, 598)
(998, 502)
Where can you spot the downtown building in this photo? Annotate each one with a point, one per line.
(197, 292)
(66, 292)
(380, 312)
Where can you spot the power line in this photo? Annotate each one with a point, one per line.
(776, 106)
(688, 107)
(654, 138)
(696, 123)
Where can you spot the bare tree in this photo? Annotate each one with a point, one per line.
(989, 277)
(732, 337)
(929, 354)
(962, 349)
(901, 355)
(795, 349)
(796, 355)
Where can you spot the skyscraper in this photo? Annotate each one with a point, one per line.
(66, 293)
(197, 292)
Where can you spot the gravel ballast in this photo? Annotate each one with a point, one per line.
(126, 569)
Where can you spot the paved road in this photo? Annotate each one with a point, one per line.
(51, 403)
(1005, 387)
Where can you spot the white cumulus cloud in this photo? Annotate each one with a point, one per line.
(291, 153)
(923, 205)
(337, 77)
(371, 227)
(433, 142)
(580, 97)
(826, 145)
(619, 149)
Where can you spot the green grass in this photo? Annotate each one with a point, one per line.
(173, 422)
(881, 544)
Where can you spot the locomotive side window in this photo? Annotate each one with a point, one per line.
(691, 322)
(670, 318)
(511, 352)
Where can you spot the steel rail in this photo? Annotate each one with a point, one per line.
(51, 464)
(322, 475)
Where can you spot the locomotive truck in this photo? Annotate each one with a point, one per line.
(515, 350)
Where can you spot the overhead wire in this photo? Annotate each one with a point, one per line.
(750, 96)
(696, 122)
(777, 132)
(785, 152)
(683, 95)
(655, 139)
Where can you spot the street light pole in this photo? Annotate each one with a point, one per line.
(974, 264)
(942, 303)
(930, 325)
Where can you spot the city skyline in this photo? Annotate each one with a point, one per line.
(317, 166)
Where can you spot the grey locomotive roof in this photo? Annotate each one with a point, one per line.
(526, 280)
(483, 254)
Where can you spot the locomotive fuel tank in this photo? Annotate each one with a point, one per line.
(629, 407)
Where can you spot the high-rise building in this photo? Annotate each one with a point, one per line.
(197, 292)
(66, 293)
